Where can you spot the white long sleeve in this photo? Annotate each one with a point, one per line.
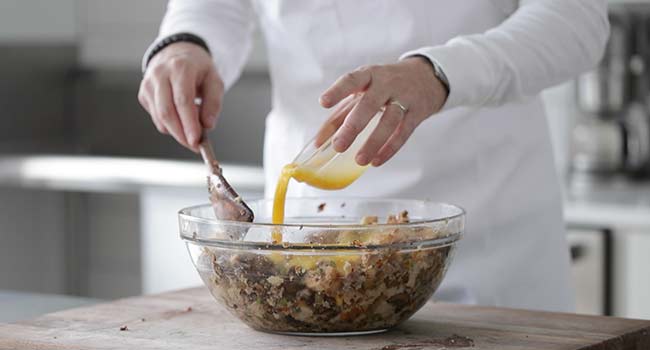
(541, 44)
(225, 25)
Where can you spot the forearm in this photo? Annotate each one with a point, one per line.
(542, 44)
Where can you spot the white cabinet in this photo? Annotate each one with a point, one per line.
(632, 274)
(589, 270)
(628, 221)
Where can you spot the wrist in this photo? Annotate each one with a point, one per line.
(175, 40)
(437, 79)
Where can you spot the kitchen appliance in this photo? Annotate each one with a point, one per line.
(605, 89)
(612, 134)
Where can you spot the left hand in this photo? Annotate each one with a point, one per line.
(365, 91)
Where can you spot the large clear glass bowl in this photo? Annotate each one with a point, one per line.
(329, 275)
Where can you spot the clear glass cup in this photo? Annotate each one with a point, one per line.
(331, 275)
(325, 168)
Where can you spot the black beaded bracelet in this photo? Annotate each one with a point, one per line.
(175, 38)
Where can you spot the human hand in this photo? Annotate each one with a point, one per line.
(365, 91)
(175, 78)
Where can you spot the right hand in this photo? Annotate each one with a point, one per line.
(175, 77)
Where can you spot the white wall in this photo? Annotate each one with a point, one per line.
(37, 21)
(116, 33)
(110, 33)
(111, 36)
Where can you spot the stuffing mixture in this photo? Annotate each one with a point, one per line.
(333, 291)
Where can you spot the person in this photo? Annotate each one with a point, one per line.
(462, 122)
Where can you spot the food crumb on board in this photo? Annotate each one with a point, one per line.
(189, 309)
(369, 220)
(321, 207)
(343, 205)
(143, 319)
(124, 328)
(454, 341)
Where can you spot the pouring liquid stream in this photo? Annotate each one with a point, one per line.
(321, 167)
(312, 177)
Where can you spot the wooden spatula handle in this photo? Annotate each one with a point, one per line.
(207, 153)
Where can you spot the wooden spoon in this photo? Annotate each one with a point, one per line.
(227, 204)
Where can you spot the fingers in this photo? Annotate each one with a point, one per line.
(396, 140)
(212, 90)
(145, 98)
(369, 104)
(159, 125)
(384, 129)
(184, 91)
(335, 120)
(346, 85)
(175, 77)
(166, 112)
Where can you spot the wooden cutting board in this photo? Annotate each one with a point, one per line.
(191, 319)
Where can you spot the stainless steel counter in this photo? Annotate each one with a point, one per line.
(587, 202)
(116, 174)
(610, 203)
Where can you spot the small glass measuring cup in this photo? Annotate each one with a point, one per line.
(325, 168)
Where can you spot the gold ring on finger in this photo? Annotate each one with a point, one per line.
(401, 107)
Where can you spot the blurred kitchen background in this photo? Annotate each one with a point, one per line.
(89, 190)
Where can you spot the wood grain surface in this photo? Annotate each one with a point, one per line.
(192, 319)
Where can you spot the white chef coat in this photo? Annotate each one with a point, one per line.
(488, 150)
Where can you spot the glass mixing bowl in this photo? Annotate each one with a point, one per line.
(342, 267)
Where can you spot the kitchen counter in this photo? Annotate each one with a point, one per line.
(613, 203)
(116, 174)
(623, 201)
(192, 319)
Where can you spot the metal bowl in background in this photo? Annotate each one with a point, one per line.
(605, 89)
(598, 147)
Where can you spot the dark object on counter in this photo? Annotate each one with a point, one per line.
(211, 327)
(612, 135)
(606, 88)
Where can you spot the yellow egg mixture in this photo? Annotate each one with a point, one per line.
(327, 179)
